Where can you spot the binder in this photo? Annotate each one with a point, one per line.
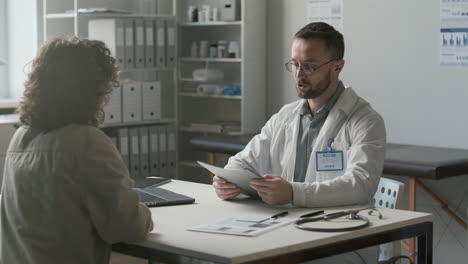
(144, 151)
(111, 32)
(134, 152)
(113, 108)
(151, 100)
(139, 43)
(122, 134)
(154, 151)
(149, 43)
(171, 42)
(163, 168)
(171, 151)
(114, 137)
(160, 43)
(131, 101)
(129, 44)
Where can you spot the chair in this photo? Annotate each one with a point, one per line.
(389, 195)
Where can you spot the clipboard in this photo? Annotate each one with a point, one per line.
(241, 177)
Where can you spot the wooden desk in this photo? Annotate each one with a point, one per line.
(415, 162)
(170, 238)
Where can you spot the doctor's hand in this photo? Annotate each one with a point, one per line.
(273, 189)
(224, 189)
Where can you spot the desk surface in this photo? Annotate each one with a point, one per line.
(405, 160)
(171, 235)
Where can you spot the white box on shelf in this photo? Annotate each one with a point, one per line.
(111, 32)
(151, 100)
(113, 108)
(230, 10)
(131, 101)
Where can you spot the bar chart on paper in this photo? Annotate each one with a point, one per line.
(454, 46)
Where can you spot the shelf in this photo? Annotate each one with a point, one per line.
(216, 23)
(231, 133)
(211, 59)
(139, 123)
(104, 15)
(147, 69)
(60, 15)
(224, 83)
(214, 96)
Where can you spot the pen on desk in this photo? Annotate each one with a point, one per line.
(279, 215)
(312, 214)
(274, 216)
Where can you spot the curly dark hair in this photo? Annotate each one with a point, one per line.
(321, 30)
(70, 82)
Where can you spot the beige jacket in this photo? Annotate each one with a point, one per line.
(66, 197)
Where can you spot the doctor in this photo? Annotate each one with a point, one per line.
(326, 149)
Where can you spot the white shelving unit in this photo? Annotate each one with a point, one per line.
(247, 71)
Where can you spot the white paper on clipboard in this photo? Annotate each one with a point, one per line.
(241, 178)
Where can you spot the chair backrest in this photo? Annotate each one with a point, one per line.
(389, 194)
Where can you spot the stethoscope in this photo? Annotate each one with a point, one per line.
(351, 215)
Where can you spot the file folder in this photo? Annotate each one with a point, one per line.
(154, 151)
(122, 134)
(151, 100)
(160, 43)
(171, 42)
(134, 153)
(144, 151)
(171, 151)
(129, 44)
(111, 32)
(163, 169)
(113, 108)
(114, 137)
(139, 43)
(131, 101)
(149, 43)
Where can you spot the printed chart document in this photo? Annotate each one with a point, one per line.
(241, 178)
(240, 227)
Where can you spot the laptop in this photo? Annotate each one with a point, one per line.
(154, 196)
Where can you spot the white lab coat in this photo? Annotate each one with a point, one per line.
(66, 197)
(357, 130)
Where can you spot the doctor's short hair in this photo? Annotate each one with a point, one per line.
(69, 83)
(321, 30)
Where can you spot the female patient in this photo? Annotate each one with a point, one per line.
(66, 193)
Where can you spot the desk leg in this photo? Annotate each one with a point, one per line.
(411, 246)
(425, 247)
(211, 161)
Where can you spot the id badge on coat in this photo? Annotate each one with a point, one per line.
(329, 161)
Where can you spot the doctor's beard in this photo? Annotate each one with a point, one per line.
(316, 90)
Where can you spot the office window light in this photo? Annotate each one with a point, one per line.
(3, 49)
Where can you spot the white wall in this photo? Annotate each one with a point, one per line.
(392, 61)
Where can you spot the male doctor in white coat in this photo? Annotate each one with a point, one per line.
(326, 149)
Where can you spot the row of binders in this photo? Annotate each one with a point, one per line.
(134, 101)
(147, 150)
(137, 42)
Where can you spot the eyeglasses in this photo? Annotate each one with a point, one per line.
(307, 68)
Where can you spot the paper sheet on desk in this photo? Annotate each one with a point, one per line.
(241, 178)
(232, 226)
